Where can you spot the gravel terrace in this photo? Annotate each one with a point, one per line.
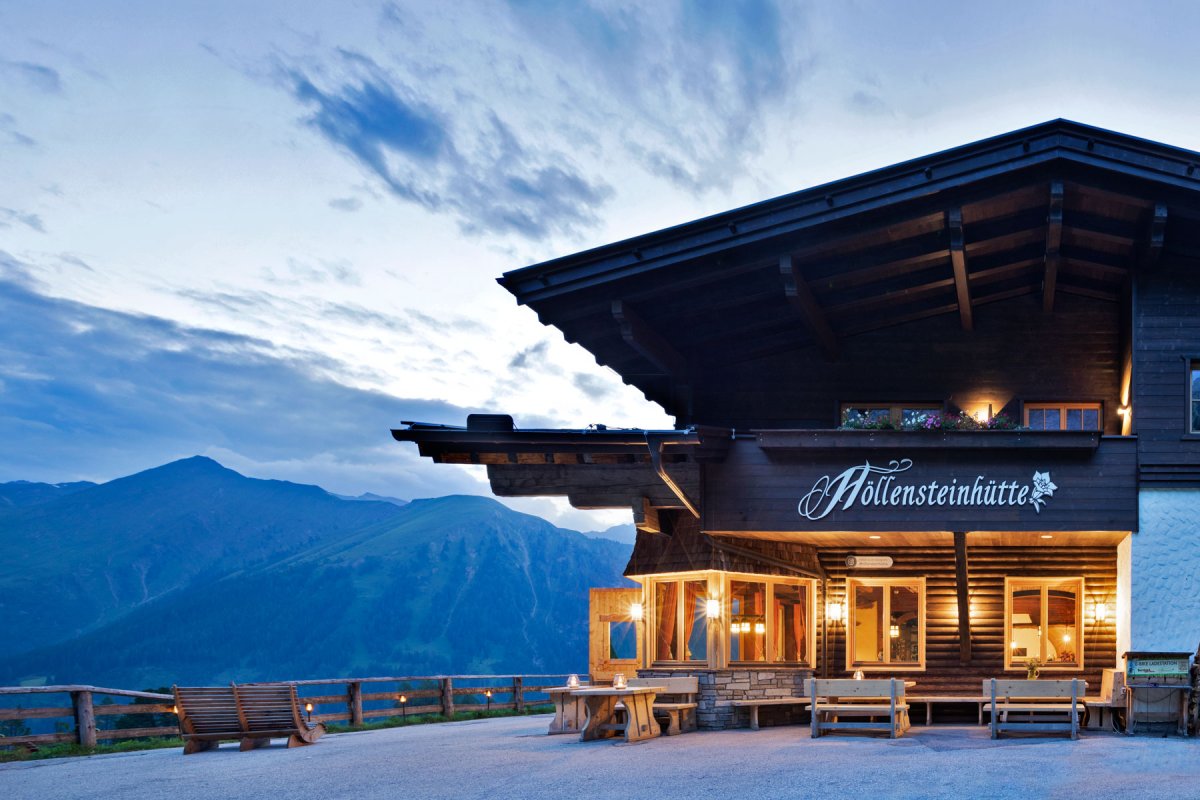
(514, 758)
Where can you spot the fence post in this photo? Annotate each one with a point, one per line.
(519, 694)
(447, 698)
(85, 718)
(354, 703)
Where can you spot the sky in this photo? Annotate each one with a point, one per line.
(268, 232)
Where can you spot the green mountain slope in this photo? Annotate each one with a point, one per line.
(456, 584)
(81, 561)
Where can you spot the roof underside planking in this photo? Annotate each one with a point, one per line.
(1055, 209)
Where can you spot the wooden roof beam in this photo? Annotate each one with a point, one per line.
(958, 261)
(800, 296)
(1155, 237)
(1054, 230)
(648, 342)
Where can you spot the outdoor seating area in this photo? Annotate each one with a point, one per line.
(251, 714)
(1034, 705)
(876, 705)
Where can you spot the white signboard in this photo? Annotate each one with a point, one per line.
(868, 562)
(868, 485)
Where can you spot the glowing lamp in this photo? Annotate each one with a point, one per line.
(894, 631)
(1101, 612)
(175, 710)
(712, 608)
(1066, 638)
(834, 612)
(1013, 644)
(636, 612)
(572, 681)
(308, 709)
(760, 628)
(619, 681)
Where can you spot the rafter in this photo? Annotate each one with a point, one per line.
(648, 342)
(801, 297)
(958, 261)
(1054, 230)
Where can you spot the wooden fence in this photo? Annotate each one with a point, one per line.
(362, 699)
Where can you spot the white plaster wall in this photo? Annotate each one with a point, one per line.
(1165, 571)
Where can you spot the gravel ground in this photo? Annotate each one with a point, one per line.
(514, 758)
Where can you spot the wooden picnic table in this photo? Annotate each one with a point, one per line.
(569, 710)
(602, 717)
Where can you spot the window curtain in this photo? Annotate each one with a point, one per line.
(669, 593)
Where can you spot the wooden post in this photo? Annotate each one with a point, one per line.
(519, 694)
(354, 703)
(447, 698)
(85, 718)
(962, 586)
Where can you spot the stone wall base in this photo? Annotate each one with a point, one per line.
(719, 687)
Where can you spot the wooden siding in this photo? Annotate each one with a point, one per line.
(945, 674)
(1016, 353)
(685, 548)
(1166, 335)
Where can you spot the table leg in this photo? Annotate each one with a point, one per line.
(600, 712)
(640, 722)
(753, 718)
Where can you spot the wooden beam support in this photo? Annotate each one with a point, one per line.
(964, 598)
(1155, 237)
(1054, 231)
(645, 516)
(800, 296)
(656, 444)
(958, 260)
(647, 342)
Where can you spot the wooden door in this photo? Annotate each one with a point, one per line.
(614, 638)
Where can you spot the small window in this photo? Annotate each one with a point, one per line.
(1194, 396)
(622, 641)
(1042, 622)
(681, 622)
(897, 413)
(885, 623)
(1063, 416)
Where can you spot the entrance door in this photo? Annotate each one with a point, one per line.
(614, 638)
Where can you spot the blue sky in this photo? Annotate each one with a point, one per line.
(266, 232)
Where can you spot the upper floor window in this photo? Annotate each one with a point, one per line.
(1062, 416)
(1194, 396)
(896, 413)
(885, 623)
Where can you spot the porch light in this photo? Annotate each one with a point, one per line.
(636, 612)
(834, 612)
(712, 608)
(1101, 612)
(894, 631)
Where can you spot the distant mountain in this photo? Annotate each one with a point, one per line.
(625, 534)
(456, 585)
(19, 494)
(372, 497)
(77, 562)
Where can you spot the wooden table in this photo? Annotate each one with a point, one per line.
(601, 704)
(569, 711)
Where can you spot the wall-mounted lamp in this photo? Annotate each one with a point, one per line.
(894, 631)
(1123, 410)
(1101, 612)
(712, 608)
(834, 612)
(637, 612)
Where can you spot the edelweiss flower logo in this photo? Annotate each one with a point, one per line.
(1042, 487)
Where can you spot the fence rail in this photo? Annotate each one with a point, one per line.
(412, 694)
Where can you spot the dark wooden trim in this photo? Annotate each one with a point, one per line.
(656, 444)
(645, 516)
(958, 261)
(1054, 228)
(800, 296)
(962, 587)
(647, 342)
(1155, 238)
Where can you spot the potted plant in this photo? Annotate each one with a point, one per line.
(1033, 668)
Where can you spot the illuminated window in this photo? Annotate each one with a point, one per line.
(1063, 416)
(680, 620)
(770, 620)
(885, 623)
(1042, 621)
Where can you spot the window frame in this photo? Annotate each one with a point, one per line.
(848, 617)
(1191, 364)
(771, 582)
(1062, 409)
(680, 616)
(1080, 628)
(895, 410)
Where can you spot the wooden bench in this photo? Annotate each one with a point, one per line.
(833, 699)
(254, 715)
(1041, 706)
(754, 703)
(680, 709)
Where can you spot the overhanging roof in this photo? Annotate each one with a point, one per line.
(1058, 208)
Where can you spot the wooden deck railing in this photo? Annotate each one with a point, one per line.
(362, 699)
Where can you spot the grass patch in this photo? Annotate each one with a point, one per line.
(69, 750)
(427, 719)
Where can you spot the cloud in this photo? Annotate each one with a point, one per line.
(300, 273)
(8, 127)
(591, 385)
(94, 393)
(346, 203)
(867, 103)
(10, 215)
(38, 76)
(444, 159)
(531, 357)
